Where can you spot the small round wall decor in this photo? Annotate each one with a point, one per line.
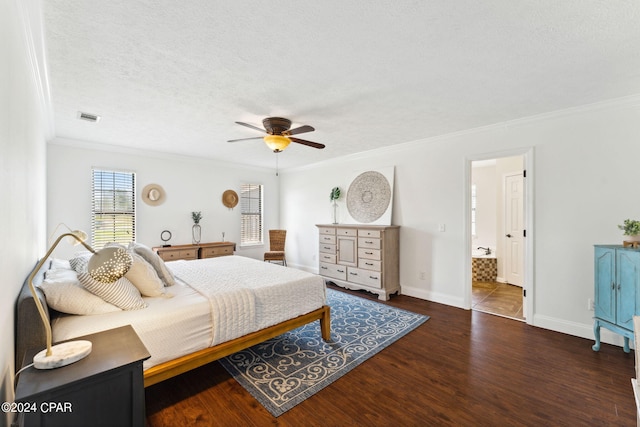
(230, 199)
(368, 196)
(153, 195)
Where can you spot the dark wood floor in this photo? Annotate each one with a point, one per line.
(462, 368)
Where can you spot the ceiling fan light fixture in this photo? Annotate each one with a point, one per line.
(277, 143)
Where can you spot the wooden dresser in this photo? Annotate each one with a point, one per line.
(357, 256)
(201, 250)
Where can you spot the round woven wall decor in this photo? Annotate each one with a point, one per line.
(153, 195)
(230, 199)
(368, 196)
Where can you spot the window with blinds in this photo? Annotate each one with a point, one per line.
(251, 214)
(113, 212)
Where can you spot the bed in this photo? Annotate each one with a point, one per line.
(214, 308)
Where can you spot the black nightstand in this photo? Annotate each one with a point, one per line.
(106, 388)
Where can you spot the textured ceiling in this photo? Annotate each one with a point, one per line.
(174, 76)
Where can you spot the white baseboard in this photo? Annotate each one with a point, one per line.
(432, 296)
(306, 268)
(579, 330)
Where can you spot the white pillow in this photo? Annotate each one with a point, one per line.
(144, 277)
(64, 293)
(120, 293)
(154, 259)
(60, 264)
(60, 274)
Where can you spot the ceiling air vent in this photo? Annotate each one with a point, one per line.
(88, 117)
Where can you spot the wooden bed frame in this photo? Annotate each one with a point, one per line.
(30, 333)
(174, 367)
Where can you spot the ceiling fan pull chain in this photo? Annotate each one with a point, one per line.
(277, 163)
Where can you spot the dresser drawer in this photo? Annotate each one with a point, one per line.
(369, 233)
(364, 277)
(368, 242)
(216, 251)
(327, 258)
(369, 253)
(326, 248)
(370, 264)
(334, 271)
(325, 238)
(168, 255)
(347, 232)
(327, 230)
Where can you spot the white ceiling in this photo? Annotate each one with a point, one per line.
(174, 76)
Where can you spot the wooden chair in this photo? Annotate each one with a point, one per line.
(276, 247)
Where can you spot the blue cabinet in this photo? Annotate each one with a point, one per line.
(617, 297)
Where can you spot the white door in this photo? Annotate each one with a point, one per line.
(514, 229)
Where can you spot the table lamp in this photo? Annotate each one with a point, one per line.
(106, 266)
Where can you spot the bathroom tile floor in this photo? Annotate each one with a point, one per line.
(498, 298)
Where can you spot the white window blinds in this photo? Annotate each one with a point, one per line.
(113, 213)
(251, 214)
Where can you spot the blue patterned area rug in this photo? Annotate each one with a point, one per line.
(284, 371)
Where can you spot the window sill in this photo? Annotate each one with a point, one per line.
(249, 246)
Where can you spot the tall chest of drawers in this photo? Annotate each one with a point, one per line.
(358, 256)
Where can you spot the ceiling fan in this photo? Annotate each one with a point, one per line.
(278, 134)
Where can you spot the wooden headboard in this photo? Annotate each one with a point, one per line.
(29, 330)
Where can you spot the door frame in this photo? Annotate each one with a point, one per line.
(529, 267)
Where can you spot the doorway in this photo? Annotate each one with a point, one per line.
(497, 235)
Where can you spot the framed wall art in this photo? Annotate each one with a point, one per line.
(370, 197)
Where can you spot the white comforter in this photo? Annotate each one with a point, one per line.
(246, 295)
(215, 300)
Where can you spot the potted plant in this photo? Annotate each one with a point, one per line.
(631, 228)
(334, 196)
(196, 231)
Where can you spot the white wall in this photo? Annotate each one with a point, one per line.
(22, 170)
(585, 174)
(190, 184)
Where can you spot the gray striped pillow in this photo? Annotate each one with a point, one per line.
(121, 293)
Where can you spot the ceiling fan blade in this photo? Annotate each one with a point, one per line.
(308, 143)
(244, 139)
(296, 131)
(251, 126)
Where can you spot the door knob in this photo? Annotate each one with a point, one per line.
(508, 235)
